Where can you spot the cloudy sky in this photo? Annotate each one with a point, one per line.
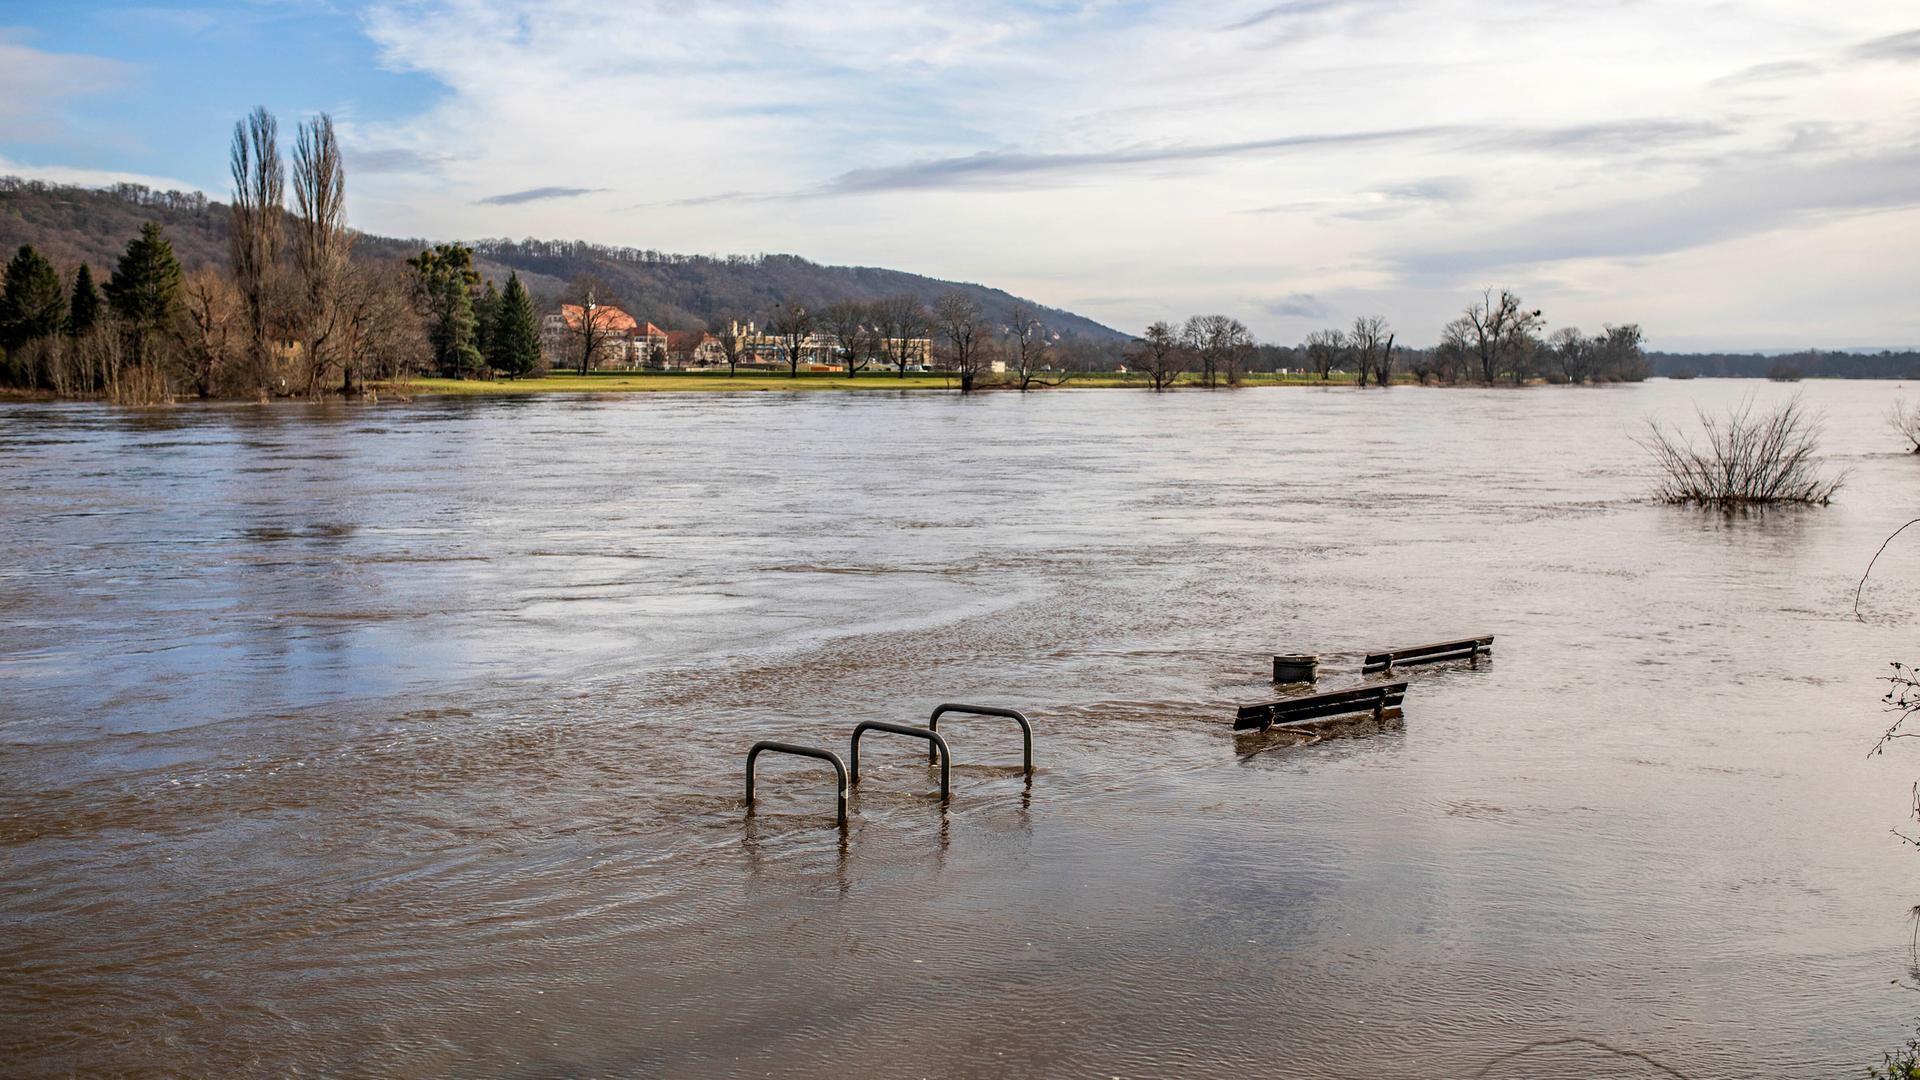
(1740, 174)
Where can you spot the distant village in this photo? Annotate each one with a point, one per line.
(632, 342)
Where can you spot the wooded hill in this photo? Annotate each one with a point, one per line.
(71, 225)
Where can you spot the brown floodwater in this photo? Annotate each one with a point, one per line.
(406, 740)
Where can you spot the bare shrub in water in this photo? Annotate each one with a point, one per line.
(1905, 419)
(140, 384)
(1748, 459)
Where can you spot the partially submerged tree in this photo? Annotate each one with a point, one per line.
(1747, 459)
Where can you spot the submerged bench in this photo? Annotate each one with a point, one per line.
(1376, 699)
(1463, 649)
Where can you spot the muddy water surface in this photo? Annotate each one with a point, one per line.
(405, 740)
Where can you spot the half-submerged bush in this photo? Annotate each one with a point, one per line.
(1905, 419)
(1748, 459)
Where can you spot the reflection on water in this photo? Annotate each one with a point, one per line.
(408, 740)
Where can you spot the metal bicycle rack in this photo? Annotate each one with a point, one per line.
(828, 756)
(1026, 729)
(936, 747)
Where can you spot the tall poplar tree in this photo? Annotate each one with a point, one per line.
(145, 288)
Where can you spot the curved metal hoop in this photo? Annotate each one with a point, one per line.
(828, 756)
(936, 747)
(1026, 729)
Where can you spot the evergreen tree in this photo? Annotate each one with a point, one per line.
(452, 334)
(145, 288)
(444, 279)
(83, 310)
(486, 310)
(33, 305)
(515, 339)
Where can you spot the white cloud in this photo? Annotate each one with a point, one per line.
(1107, 153)
(65, 174)
(34, 82)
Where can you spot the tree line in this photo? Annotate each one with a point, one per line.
(297, 311)
(1496, 339)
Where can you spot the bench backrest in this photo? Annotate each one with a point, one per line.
(1316, 706)
(1439, 650)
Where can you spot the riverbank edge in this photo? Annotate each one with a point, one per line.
(642, 383)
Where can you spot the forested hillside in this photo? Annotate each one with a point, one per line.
(71, 225)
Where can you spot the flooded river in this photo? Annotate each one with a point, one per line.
(406, 740)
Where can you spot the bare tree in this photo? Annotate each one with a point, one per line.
(254, 231)
(1221, 343)
(1747, 460)
(591, 335)
(848, 323)
(1028, 348)
(1618, 354)
(1905, 419)
(1233, 345)
(1458, 348)
(380, 334)
(962, 328)
(1572, 354)
(213, 310)
(1428, 364)
(903, 322)
(733, 343)
(793, 325)
(1161, 354)
(1501, 333)
(1324, 350)
(320, 243)
(1372, 343)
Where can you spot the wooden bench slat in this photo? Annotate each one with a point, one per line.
(1318, 706)
(1428, 654)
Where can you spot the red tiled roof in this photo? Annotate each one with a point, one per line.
(607, 316)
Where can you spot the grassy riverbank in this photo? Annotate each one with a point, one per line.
(645, 382)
